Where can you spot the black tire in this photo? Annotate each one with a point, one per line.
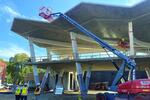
(141, 97)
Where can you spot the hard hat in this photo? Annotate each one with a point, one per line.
(38, 83)
(25, 84)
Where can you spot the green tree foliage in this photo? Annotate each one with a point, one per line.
(11, 72)
(21, 58)
(1, 59)
(16, 70)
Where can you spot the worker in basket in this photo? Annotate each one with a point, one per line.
(37, 90)
(24, 92)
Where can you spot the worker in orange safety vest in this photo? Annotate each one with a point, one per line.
(37, 90)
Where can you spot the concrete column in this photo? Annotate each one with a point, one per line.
(68, 87)
(88, 75)
(47, 73)
(32, 53)
(70, 81)
(78, 65)
(59, 85)
(148, 51)
(60, 76)
(130, 29)
(76, 85)
(52, 78)
(147, 72)
(132, 51)
(48, 54)
(45, 78)
(129, 75)
(66, 80)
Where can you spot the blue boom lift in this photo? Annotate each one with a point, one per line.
(126, 61)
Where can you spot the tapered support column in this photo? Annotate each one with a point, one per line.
(147, 72)
(76, 85)
(45, 78)
(130, 28)
(78, 65)
(129, 75)
(52, 78)
(70, 80)
(32, 53)
(59, 85)
(132, 51)
(88, 75)
(48, 54)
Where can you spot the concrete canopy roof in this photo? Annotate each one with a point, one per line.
(108, 22)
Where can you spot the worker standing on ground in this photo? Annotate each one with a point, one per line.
(37, 90)
(18, 93)
(24, 92)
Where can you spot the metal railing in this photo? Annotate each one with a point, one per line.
(81, 57)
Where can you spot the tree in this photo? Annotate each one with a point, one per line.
(16, 69)
(11, 73)
(1, 59)
(21, 58)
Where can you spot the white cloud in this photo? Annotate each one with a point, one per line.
(11, 50)
(12, 12)
(9, 13)
(134, 2)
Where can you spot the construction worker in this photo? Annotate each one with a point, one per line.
(18, 92)
(37, 90)
(24, 92)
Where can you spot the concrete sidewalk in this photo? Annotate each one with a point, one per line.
(49, 96)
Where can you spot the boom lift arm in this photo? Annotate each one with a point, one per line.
(126, 60)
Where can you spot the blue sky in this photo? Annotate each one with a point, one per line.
(11, 43)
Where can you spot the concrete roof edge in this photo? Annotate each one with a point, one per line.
(104, 4)
(137, 4)
(100, 4)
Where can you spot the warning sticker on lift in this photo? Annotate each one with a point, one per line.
(145, 82)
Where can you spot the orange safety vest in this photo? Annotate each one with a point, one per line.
(37, 91)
